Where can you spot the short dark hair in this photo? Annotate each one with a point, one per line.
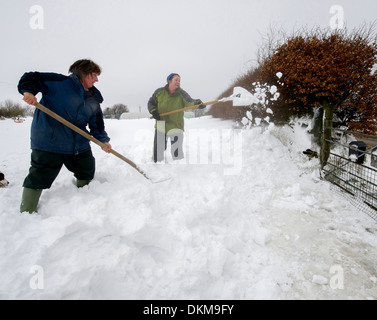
(83, 67)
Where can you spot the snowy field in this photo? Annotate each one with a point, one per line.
(243, 217)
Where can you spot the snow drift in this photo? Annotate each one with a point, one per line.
(269, 230)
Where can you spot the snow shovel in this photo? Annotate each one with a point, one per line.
(240, 96)
(89, 137)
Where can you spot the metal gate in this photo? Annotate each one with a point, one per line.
(351, 166)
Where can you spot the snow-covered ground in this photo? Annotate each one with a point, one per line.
(243, 217)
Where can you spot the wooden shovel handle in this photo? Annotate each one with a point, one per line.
(188, 108)
(88, 136)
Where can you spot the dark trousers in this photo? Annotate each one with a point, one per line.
(161, 143)
(45, 167)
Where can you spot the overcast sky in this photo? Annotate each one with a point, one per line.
(139, 42)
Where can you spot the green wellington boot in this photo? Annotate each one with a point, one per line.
(30, 200)
(82, 183)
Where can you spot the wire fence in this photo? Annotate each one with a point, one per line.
(352, 169)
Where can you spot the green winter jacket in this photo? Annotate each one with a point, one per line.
(163, 101)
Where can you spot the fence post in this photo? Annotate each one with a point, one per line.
(327, 133)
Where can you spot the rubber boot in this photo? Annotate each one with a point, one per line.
(30, 200)
(82, 183)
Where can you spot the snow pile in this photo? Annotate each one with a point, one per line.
(244, 217)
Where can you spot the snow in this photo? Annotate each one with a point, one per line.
(243, 217)
(242, 97)
(245, 97)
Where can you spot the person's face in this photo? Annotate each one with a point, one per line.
(175, 83)
(89, 81)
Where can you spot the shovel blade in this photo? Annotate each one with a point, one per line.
(155, 175)
(161, 179)
(242, 97)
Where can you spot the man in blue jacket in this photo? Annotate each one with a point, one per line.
(53, 145)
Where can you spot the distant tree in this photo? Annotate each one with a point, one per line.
(9, 109)
(335, 70)
(116, 109)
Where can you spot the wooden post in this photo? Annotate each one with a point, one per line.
(327, 133)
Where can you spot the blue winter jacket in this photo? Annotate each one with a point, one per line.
(65, 96)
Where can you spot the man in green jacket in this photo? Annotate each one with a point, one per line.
(169, 98)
